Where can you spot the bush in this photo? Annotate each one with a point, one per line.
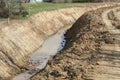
(4, 13)
(12, 9)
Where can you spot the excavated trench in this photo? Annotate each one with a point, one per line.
(92, 50)
(20, 39)
(21, 50)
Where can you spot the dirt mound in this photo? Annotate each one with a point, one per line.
(83, 44)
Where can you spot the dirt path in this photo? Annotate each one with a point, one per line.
(109, 63)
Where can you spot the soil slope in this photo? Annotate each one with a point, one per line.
(20, 39)
(92, 51)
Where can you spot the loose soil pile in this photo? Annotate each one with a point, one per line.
(80, 55)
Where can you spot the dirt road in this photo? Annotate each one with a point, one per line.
(109, 62)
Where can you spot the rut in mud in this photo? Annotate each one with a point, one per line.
(92, 51)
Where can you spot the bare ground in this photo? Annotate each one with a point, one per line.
(92, 51)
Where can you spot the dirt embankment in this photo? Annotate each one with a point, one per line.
(82, 52)
(19, 40)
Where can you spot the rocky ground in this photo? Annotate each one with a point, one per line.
(92, 51)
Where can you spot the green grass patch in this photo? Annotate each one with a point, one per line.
(34, 8)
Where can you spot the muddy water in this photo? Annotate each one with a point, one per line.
(40, 58)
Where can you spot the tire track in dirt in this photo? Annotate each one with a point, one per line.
(108, 67)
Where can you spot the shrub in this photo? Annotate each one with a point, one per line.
(13, 9)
